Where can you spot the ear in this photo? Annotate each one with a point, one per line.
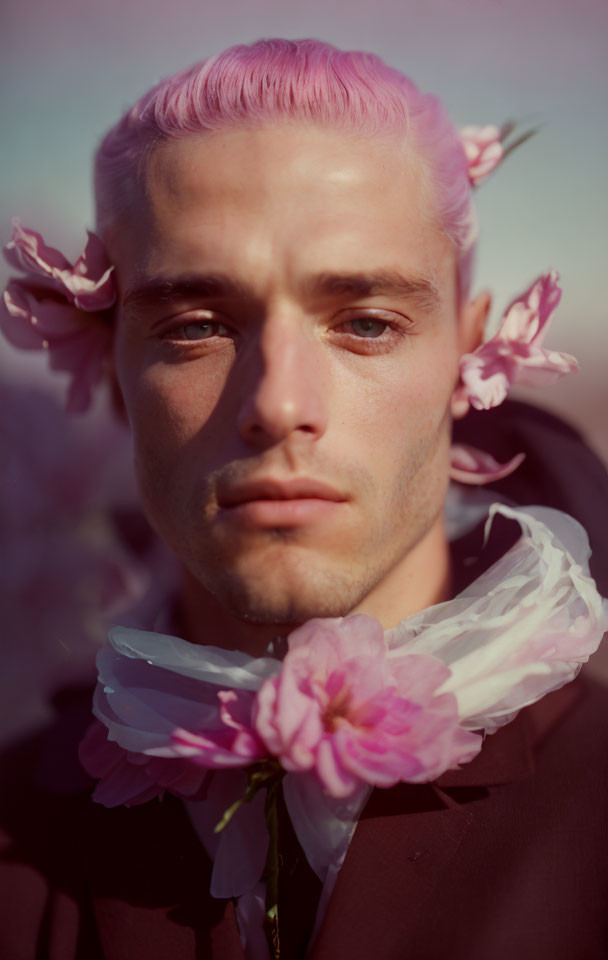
(472, 321)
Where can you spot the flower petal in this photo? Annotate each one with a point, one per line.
(131, 779)
(486, 376)
(26, 250)
(18, 320)
(335, 776)
(472, 466)
(483, 149)
(88, 284)
(527, 317)
(61, 308)
(77, 343)
(540, 368)
(514, 354)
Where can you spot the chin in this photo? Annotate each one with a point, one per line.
(288, 612)
(286, 597)
(276, 606)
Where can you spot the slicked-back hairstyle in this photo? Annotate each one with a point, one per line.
(304, 81)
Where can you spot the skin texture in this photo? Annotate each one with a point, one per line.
(350, 387)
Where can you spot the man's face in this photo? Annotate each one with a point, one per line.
(287, 349)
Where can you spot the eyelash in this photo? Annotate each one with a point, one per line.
(395, 329)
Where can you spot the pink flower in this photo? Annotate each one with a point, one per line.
(515, 354)
(469, 465)
(88, 284)
(343, 708)
(484, 150)
(134, 778)
(76, 342)
(236, 745)
(61, 308)
(179, 759)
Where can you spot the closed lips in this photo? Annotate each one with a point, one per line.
(296, 489)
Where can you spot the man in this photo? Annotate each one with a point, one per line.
(291, 230)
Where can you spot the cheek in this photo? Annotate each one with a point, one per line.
(404, 406)
(167, 411)
(171, 406)
(168, 404)
(415, 456)
(167, 400)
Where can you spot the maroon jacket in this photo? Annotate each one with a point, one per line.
(505, 858)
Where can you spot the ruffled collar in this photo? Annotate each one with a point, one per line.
(519, 631)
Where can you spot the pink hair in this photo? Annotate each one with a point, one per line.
(301, 80)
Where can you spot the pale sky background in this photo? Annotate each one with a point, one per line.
(68, 68)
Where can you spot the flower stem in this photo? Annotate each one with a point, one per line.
(259, 775)
(271, 871)
(266, 774)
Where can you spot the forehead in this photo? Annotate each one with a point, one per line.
(297, 196)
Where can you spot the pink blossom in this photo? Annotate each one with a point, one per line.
(469, 465)
(234, 745)
(134, 778)
(484, 150)
(515, 354)
(76, 342)
(179, 760)
(61, 308)
(343, 708)
(88, 283)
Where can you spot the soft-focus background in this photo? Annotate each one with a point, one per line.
(68, 68)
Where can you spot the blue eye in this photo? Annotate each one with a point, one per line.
(201, 330)
(368, 327)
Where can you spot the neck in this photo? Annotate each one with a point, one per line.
(420, 579)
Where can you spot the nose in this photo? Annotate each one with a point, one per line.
(284, 392)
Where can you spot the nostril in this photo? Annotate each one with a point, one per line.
(260, 430)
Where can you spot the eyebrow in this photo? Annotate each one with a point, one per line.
(150, 293)
(375, 284)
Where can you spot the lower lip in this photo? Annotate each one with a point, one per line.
(282, 513)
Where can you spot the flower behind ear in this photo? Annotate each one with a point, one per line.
(515, 354)
(88, 284)
(486, 147)
(62, 308)
(484, 150)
